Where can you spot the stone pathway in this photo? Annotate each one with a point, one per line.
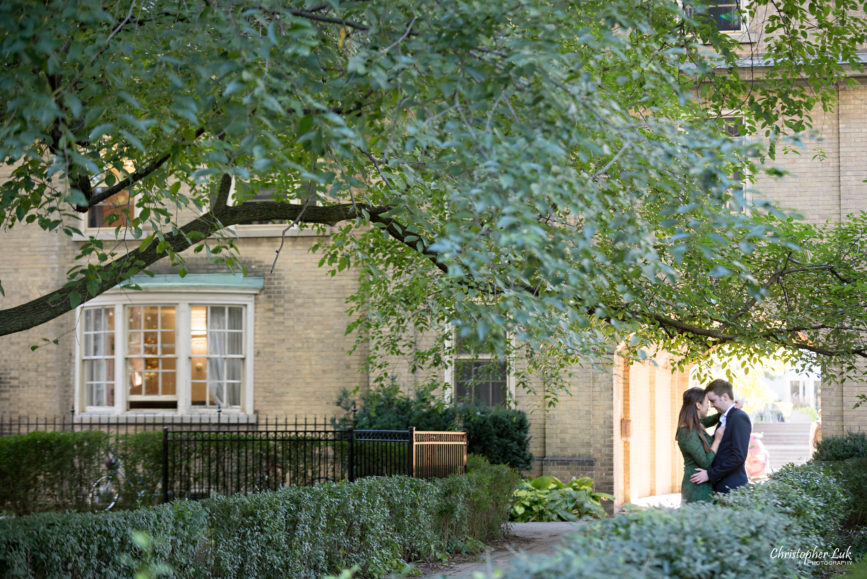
(525, 538)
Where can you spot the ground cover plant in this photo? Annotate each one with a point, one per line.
(546, 498)
(378, 524)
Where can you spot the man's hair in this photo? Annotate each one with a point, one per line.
(720, 387)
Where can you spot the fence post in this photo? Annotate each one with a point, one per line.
(411, 450)
(165, 464)
(351, 455)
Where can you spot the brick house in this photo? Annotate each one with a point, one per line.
(274, 343)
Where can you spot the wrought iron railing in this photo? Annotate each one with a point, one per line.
(167, 458)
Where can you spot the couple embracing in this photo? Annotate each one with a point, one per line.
(712, 464)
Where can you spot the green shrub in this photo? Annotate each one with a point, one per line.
(693, 541)
(91, 544)
(809, 494)
(375, 523)
(49, 471)
(500, 434)
(546, 498)
(851, 474)
(388, 408)
(475, 505)
(850, 445)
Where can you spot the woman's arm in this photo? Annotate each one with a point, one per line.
(690, 445)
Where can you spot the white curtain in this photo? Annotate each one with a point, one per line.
(217, 350)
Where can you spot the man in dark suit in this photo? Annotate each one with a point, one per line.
(727, 470)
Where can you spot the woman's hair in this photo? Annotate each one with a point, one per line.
(689, 417)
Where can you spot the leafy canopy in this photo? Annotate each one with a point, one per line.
(558, 170)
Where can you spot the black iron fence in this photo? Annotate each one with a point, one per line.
(145, 460)
(199, 464)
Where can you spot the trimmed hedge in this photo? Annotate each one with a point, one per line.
(755, 531)
(500, 434)
(694, 541)
(51, 471)
(376, 523)
(850, 445)
(809, 494)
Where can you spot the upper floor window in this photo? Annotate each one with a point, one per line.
(726, 14)
(112, 212)
(117, 210)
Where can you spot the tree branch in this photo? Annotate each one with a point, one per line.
(130, 179)
(57, 303)
(327, 19)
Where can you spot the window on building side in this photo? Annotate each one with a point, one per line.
(726, 14)
(480, 376)
(166, 352)
(98, 356)
(112, 212)
(116, 210)
(152, 361)
(217, 356)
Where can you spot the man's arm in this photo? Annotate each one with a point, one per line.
(711, 420)
(738, 424)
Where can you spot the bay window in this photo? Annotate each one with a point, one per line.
(168, 348)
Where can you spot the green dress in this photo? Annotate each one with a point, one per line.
(695, 456)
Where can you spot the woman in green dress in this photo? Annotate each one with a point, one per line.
(695, 444)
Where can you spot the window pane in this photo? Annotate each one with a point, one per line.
(217, 343)
(134, 347)
(199, 369)
(151, 318)
(215, 394)
(236, 318)
(136, 376)
(233, 394)
(134, 318)
(169, 385)
(151, 343)
(151, 383)
(233, 370)
(95, 395)
(89, 316)
(217, 319)
(167, 318)
(198, 393)
(236, 344)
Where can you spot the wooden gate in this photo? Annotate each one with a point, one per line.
(438, 453)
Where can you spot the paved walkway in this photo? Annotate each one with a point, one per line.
(525, 538)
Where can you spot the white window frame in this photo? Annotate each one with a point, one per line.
(449, 376)
(745, 174)
(743, 33)
(183, 300)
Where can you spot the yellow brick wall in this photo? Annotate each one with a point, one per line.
(35, 382)
(300, 357)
